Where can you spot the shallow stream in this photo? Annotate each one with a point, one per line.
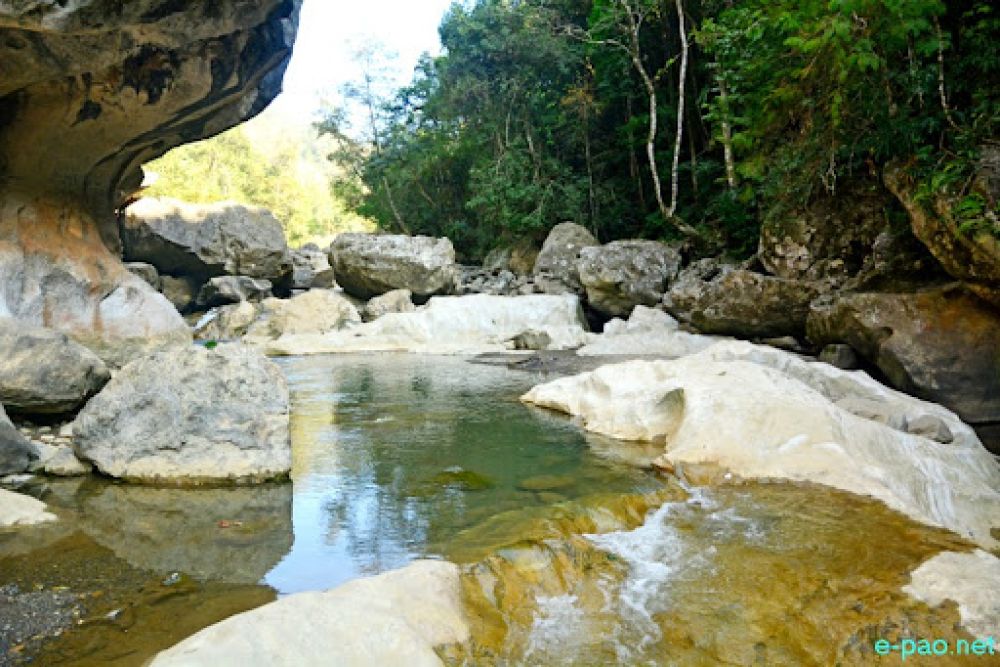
(572, 553)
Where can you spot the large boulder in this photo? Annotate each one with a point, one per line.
(720, 299)
(316, 312)
(44, 372)
(624, 274)
(16, 452)
(189, 416)
(207, 240)
(968, 252)
(90, 91)
(307, 264)
(762, 413)
(368, 265)
(555, 269)
(941, 344)
(395, 618)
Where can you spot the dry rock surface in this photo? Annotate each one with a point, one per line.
(396, 618)
(368, 265)
(191, 415)
(621, 275)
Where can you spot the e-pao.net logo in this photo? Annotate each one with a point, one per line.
(907, 648)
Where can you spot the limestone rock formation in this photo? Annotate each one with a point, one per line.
(759, 412)
(89, 91)
(519, 259)
(555, 269)
(205, 241)
(453, 325)
(970, 579)
(647, 332)
(972, 256)
(621, 275)
(16, 451)
(44, 372)
(307, 264)
(147, 272)
(315, 312)
(367, 265)
(180, 292)
(941, 344)
(396, 301)
(395, 618)
(227, 322)
(189, 416)
(738, 302)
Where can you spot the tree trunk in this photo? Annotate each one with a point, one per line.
(680, 110)
(727, 134)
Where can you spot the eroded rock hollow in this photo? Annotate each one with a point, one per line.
(90, 90)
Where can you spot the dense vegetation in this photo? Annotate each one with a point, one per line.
(689, 119)
(266, 162)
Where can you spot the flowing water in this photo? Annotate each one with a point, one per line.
(572, 554)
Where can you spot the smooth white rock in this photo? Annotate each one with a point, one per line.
(972, 580)
(395, 618)
(767, 414)
(17, 509)
(469, 324)
(648, 331)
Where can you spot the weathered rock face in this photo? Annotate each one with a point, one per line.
(518, 259)
(227, 322)
(223, 290)
(188, 416)
(972, 580)
(763, 413)
(44, 372)
(367, 265)
(555, 267)
(737, 302)
(180, 292)
(307, 263)
(315, 312)
(647, 332)
(145, 271)
(970, 256)
(395, 618)
(204, 241)
(89, 91)
(624, 274)
(16, 451)
(829, 240)
(942, 345)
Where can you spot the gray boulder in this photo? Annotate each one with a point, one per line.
(44, 372)
(307, 263)
(190, 415)
(368, 265)
(227, 322)
(314, 312)
(224, 290)
(737, 302)
(556, 268)
(204, 241)
(396, 301)
(16, 451)
(624, 274)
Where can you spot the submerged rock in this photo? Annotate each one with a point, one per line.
(453, 325)
(368, 265)
(17, 509)
(396, 618)
(763, 413)
(555, 269)
(621, 275)
(44, 372)
(189, 416)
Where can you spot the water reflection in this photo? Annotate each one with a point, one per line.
(395, 454)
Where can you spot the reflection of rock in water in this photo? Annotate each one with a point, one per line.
(232, 535)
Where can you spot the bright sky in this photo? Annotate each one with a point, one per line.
(331, 29)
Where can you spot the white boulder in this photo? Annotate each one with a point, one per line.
(972, 580)
(453, 325)
(763, 413)
(648, 331)
(17, 509)
(396, 618)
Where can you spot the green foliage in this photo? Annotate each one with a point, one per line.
(535, 114)
(263, 163)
